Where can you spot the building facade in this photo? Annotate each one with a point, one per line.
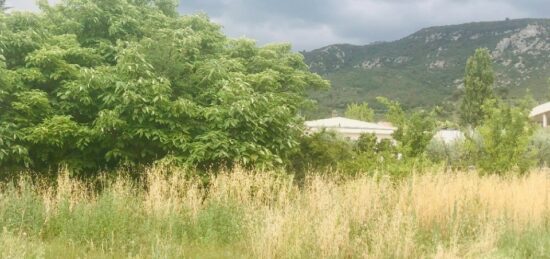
(541, 114)
(351, 129)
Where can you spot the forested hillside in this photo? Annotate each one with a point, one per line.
(427, 67)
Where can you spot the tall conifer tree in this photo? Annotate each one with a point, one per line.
(478, 85)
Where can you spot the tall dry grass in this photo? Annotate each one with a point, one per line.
(265, 215)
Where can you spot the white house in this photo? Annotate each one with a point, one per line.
(541, 114)
(351, 128)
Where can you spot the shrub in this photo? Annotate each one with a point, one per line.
(359, 112)
(321, 151)
(540, 144)
(503, 144)
(371, 156)
(414, 131)
(453, 155)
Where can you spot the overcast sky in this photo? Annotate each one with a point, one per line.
(311, 24)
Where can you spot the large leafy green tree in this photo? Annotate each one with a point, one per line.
(478, 87)
(104, 83)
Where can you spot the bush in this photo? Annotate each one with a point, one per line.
(321, 151)
(360, 112)
(503, 143)
(414, 131)
(327, 151)
(540, 144)
(371, 156)
(453, 155)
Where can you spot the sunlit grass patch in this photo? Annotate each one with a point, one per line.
(239, 213)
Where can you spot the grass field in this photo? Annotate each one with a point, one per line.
(265, 215)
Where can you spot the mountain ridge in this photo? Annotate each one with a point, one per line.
(426, 68)
(428, 28)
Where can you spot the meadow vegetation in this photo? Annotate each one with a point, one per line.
(167, 213)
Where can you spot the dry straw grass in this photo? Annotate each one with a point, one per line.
(432, 215)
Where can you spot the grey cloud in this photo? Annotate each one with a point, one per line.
(26, 5)
(353, 21)
(310, 24)
(22, 5)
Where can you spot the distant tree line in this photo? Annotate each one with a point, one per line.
(498, 136)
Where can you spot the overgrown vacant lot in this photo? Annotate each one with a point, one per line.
(266, 215)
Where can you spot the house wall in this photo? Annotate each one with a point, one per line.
(543, 119)
(541, 114)
(355, 136)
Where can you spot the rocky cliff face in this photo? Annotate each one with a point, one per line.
(427, 67)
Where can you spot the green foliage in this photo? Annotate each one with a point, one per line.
(219, 223)
(93, 84)
(321, 151)
(453, 155)
(530, 243)
(366, 143)
(107, 225)
(540, 144)
(412, 137)
(373, 156)
(168, 7)
(22, 208)
(359, 112)
(478, 87)
(327, 151)
(503, 142)
(414, 131)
